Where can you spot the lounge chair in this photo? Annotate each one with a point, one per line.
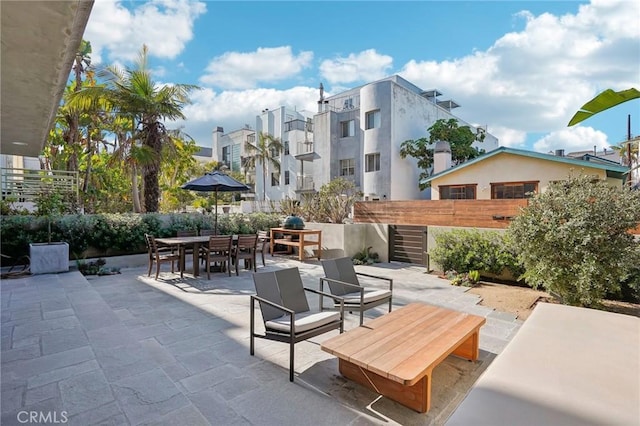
(283, 302)
(343, 281)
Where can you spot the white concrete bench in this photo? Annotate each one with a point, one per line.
(566, 366)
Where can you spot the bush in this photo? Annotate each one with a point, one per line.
(466, 250)
(573, 239)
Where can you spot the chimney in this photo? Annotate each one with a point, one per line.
(441, 157)
(219, 129)
(321, 100)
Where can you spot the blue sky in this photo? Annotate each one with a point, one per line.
(521, 68)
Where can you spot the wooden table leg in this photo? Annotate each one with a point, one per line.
(417, 396)
(470, 348)
(196, 259)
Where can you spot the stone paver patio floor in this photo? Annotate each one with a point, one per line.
(127, 349)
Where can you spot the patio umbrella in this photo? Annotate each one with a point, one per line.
(216, 182)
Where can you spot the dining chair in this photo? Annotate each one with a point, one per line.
(218, 250)
(207, 232)
(162, 254)
(245, 249)
(263, 244)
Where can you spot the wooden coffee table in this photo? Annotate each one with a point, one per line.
(394, 355)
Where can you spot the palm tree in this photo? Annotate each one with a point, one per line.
(133, 93)
(266, 153)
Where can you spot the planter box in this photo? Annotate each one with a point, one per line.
(49, 258)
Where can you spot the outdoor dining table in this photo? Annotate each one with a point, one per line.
(192, 241)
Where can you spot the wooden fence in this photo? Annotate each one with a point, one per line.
(459, 213)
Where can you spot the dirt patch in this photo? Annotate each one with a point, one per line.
(521, 300)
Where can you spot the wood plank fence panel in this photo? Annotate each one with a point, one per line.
(462, 213)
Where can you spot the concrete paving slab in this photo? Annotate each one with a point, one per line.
(189, 339)
(85, 392)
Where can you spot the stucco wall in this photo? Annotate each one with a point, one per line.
(506, 167)
(349, 239)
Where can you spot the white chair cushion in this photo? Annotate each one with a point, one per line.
(369, 296)
(304, 321)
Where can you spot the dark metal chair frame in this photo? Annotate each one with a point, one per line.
(290, 337)
(340, 287)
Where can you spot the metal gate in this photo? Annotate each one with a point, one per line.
(408, 244)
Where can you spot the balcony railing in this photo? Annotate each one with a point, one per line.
(26, 184)
(305, 183)
(306, 126)
(304, 148)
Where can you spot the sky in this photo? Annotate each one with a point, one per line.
(520, 68)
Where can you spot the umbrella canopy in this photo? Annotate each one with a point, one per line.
(216, 182)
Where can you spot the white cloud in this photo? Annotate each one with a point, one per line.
(243, 70)
(508, 137)
(535, 79)
(233, 109)
(165, 26)
(367, 65)
(570, 139)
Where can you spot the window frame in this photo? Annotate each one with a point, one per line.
(349, 126)
(445, 191)
(511, 185)
(275, 179)
(376, 162)
(286, 147)
(286, 177)
(372, 119)
(349, 166)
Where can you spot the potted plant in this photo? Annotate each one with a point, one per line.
(49, 257)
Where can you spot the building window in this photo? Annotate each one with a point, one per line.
(286, 177)
(347, 128)
(372, 119)
(275, 179)
(286, 147)
(457, 192)
(348, 167)
(226, 155)
(372, 162)
(275, 153)
(503, 191)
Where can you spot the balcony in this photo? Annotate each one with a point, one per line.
(305, 151)
(305, 126)
(26, 184)
(305, 184)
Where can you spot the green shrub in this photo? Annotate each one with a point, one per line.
(465, 250)
(573, 239)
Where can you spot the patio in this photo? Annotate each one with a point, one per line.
(127, 349)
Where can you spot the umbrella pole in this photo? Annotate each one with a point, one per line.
(215, 221)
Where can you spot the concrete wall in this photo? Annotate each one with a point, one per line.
(348, 239)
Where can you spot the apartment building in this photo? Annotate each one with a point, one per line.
(358, 134)
(355, 135)
(295, 131)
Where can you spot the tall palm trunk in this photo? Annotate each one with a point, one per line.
(135, 193)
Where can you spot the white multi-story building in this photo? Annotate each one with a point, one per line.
(358, 134)
(294, 129)
(355, 135)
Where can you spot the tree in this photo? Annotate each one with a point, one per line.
(574, 241)
(602, 102)
(460, 139)
(132, 92)
(265, 153)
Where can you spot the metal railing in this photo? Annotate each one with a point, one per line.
(304, 148)
(305, 183)
(26, 184)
